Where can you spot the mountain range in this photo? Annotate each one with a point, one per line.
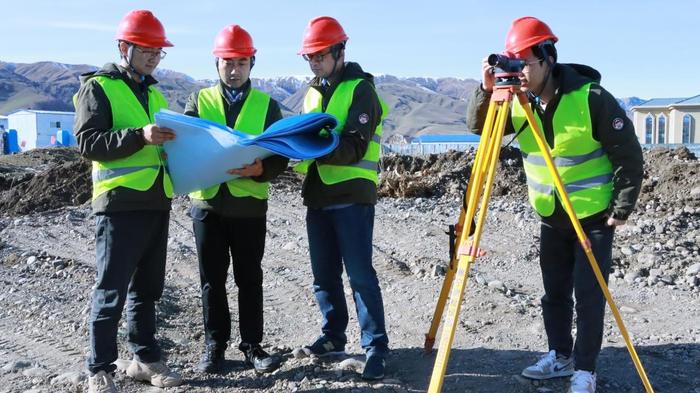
(417, 105)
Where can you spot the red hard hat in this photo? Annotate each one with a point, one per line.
(526, 32)
(320, 33)
(233, 41)
(140, 27)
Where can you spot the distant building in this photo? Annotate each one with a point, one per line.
(39, 128)
(433, 144)
(3, 137)
(667, 120)
(397, 139)
(448, 138)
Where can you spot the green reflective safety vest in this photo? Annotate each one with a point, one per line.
(338, 106)
(138, 171)
(250, 120)
(585, 169)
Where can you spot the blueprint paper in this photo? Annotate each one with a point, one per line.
(203, 151)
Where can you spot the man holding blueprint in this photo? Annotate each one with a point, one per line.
(340, 191)
(131, 194)
(229, 219)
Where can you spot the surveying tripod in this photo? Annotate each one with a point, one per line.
(465, 251)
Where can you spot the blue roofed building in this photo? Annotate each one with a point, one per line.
(667, 120)
(456, 138)
(432, 144)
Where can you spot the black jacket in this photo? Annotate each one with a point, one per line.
(223, 202)
(97, 142)
(621, 145)
(354, 141)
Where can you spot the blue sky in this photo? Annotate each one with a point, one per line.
(642, 48)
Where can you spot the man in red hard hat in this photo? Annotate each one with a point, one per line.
(131, 196)
(600, 162)
(340, 191)
(231, 217)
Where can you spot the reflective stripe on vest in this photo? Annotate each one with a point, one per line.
(251, 120)
(138, 171)
(106, 174)
(585, 169)
(339, 106)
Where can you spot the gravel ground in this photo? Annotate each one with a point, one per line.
(47, 271)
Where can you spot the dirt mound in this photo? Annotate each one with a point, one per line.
(671, 177)
(43, 179)
(436, 175)
(11, 178)
(38, 159)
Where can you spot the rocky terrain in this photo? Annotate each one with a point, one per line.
(47, 271)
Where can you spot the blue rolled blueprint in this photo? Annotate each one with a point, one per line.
(203, 150)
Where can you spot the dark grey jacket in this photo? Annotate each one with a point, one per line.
(621, 145)
(354, 142)
(223, 202)
(97, 142)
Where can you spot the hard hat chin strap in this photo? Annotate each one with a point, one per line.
(550, 65)
(335, 66)
(335, 53)
(129, 58)
(536, 97)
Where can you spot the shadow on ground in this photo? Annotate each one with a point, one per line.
(671, 368)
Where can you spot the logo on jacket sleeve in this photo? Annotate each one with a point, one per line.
(363, 119)
(618, 123)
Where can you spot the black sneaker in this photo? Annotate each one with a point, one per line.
(374, 368)
(212, 360)
(262, 361)
(323, 347)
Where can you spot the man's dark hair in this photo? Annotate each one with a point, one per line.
(545, 49)
(336, 48)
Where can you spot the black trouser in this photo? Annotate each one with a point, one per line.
(221, 240)
(131, 249)
(565, 268)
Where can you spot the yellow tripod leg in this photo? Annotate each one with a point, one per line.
(583, 239)
(487, 167)
(461, 224)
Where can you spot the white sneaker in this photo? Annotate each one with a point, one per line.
(550, 366)
(582, 382)
(101, 383)
(157, 374)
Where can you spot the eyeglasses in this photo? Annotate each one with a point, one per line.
(151, 53)
(316, 57)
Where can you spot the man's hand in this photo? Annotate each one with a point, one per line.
(488, 78)
(614, 222)
(467, 249)
(154, 135)
(251, 170)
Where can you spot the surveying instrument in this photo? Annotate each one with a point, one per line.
(464, 251)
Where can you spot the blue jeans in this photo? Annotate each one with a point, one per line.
(344, 236)
(131, 249)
